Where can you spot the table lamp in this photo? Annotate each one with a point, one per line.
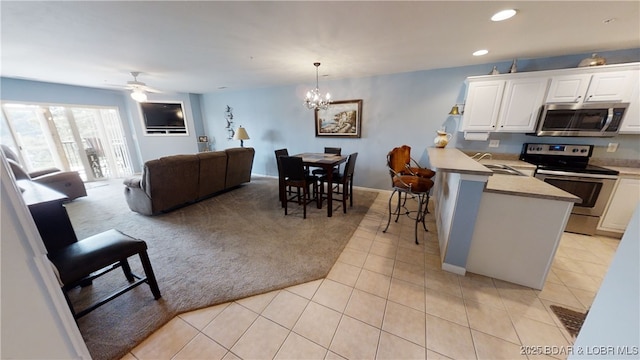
(241, 134)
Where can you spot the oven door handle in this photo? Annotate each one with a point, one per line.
(574, 174)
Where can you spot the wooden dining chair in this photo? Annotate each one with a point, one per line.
(342, 183)
(282, 190)
(295, 176)
(328, 150)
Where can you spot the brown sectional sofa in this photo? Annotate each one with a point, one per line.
(178, 180)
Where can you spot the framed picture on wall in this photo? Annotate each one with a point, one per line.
(341, 119)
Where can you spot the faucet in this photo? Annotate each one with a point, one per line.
(480, 156)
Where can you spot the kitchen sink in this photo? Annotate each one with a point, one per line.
(503, 169)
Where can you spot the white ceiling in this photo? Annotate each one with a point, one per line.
(200, 47)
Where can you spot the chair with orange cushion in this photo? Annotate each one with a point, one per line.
(399, 159)
(412, 186)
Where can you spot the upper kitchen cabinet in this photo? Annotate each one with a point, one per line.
(568, 88)
(631, 121)
(482, 105)
(503, 105)
(521, 104)
(512, 102)
(610, 86)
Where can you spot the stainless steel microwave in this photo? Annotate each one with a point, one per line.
(595, 120)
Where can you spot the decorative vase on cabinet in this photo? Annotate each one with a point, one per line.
(442, 139)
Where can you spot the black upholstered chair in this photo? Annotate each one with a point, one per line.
(295, 176)
(282, 190)
(342, 183)
(79, 263)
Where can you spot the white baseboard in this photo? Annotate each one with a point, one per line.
(454, 269)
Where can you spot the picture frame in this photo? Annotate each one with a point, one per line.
(203, 139)
(341, 119)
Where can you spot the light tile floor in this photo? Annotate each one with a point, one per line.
(387, 298)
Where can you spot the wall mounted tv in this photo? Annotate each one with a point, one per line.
(163, 117)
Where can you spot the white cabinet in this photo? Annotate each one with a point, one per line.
(621, 205)
(482, 105)
(504, 105)
(577, 88)
(521, 104)
(511, 102)
(568, 88)
(631, 121)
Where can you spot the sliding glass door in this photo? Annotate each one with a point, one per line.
(89, 140)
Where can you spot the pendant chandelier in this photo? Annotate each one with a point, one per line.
(314, 99)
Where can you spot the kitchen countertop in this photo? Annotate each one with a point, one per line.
(454, 160)
(625, 171)
(527, 186)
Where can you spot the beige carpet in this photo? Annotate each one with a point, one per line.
(231, 246)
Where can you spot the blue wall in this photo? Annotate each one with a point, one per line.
(398, 109)
(406, 108)
(142, 147)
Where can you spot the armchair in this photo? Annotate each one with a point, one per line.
(66, 182)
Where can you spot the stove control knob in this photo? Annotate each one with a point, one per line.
(575, 150)
(583, 150)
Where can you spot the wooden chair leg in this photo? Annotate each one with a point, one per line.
(151, 278)
(304, 201)
(351, 193)
(127, 270)
(285, 204)
(344, 198)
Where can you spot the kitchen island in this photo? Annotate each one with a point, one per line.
(504, 226)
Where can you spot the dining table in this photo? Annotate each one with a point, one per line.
(327, 162)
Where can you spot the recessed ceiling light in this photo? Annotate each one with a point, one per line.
(481, 52)
(503, 15)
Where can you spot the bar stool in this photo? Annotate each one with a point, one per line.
(414, 183)
(412, 187)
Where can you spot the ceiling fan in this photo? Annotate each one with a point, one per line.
(139, 89)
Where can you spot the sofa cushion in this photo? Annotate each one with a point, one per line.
(172, 181)
(239, 164)
(213, 168)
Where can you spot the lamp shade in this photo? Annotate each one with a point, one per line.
(241, 134)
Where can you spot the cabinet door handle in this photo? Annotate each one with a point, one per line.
(578, 98)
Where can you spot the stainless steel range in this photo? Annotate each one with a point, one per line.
(567, 167)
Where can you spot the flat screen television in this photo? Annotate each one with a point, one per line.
(163, 117)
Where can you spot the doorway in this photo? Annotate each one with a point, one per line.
(89, 140)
